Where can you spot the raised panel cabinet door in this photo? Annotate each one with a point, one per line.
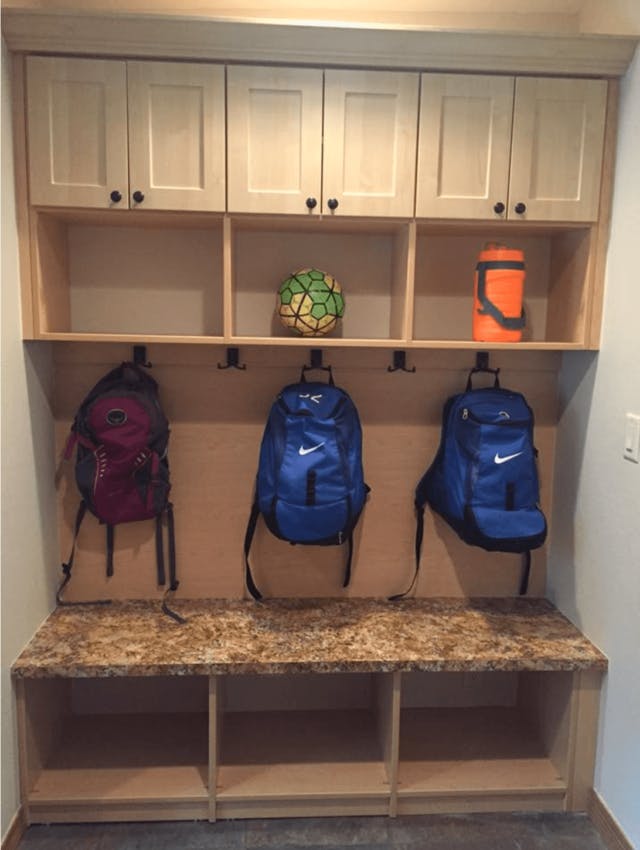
(370, 138)
(176, 136)
(556, 152)
(77, 132)
(464, 147)
(274, 139)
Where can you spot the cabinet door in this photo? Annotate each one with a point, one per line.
(370, 138)
(77, 130)
(558, 132)
(465, 141)
(176, 135)
(274, 139)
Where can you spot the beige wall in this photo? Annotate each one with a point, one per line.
(594, 560)
(27, 533)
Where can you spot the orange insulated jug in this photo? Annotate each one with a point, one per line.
(498, 292)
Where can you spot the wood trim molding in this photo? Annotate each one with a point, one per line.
(608, 827)
(295, 42)
(17, 829)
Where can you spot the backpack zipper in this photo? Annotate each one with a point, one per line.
(468, 414)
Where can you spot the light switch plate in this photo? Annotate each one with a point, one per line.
(632, 438)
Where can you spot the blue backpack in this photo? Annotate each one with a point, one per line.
(484, 480)
(310, 487)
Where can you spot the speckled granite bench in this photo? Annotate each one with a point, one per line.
(421, 706)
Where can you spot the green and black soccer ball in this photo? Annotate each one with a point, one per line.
(310, 302)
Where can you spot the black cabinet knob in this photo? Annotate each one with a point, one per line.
(332, 203)
(498, 208)
(115, 196)
(520, 208)
(138, 196)
(311, 203)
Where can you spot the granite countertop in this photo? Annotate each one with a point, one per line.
(306, 635)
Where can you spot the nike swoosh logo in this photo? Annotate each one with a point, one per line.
(303, 451)
(498, 459)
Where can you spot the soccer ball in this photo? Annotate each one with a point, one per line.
(310, 302)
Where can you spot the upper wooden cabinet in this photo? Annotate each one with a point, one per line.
(499, 147)
(290, 154)
(104, 133)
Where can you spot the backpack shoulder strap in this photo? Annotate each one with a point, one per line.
(526, 569)
(67, 566)
(418, 547)
(248, 537)
(173, 581)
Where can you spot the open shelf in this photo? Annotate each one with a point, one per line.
(275, 754)
(103, 766)
(485, 741)
(471, 750)
(368, 259)
(309, 743)
(556, 284)
(113, 274)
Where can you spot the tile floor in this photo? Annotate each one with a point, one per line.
(420, 832)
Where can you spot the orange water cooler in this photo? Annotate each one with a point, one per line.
(498, 294)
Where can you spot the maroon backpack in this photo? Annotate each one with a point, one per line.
(121, 435)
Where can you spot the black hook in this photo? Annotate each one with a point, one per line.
(233, 360)
(140, 356)
(400, 363)
(482, 365)
(316, 363)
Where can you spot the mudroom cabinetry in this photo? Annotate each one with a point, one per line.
(367, 707)
(338, 142)
(114, 135)
(522, 149)
(320, 172)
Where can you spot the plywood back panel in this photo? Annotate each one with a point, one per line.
(217, 419)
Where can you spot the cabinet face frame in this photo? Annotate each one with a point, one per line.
(274, 145)
(185, 104)
(73, 161)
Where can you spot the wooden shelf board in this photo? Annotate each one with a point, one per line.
(474, 750)
(300, 754)
(123, 758)
(310, 342)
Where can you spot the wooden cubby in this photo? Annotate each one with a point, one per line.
(161, 277)
(115, 749)
(495, 736)
(557, 284)
(370, 260)
(275, 745)
(305, 743)
(113, 275)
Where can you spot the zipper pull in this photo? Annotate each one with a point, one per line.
(465, 413)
